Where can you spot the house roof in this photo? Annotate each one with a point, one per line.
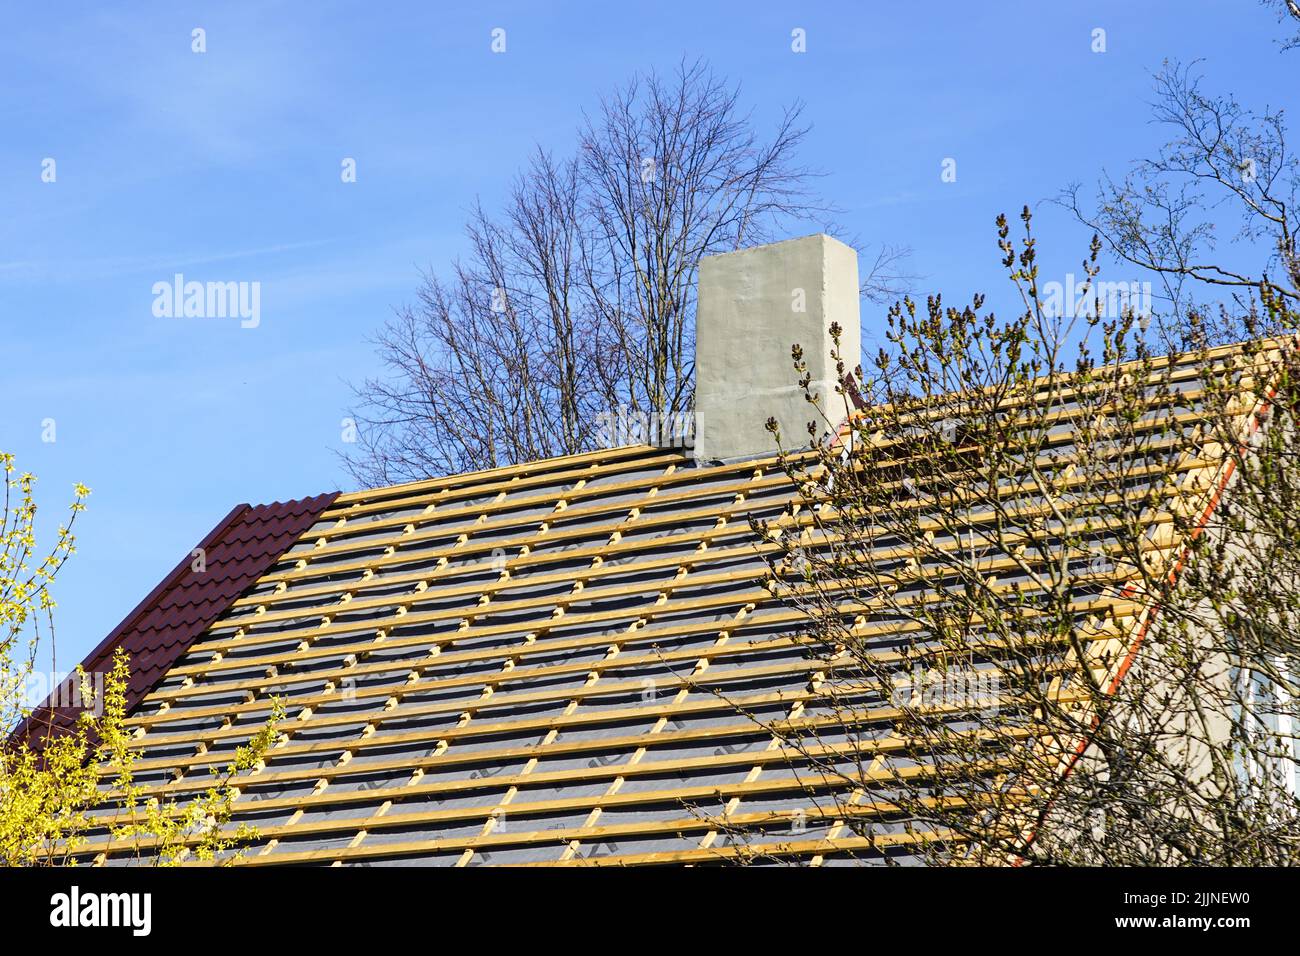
(541, 664)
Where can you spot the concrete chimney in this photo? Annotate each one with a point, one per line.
(753, 305)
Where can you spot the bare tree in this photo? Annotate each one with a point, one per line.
(579, 298)
(1228, 170)
(1053, 590)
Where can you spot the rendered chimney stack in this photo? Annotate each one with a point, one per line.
(753, 305)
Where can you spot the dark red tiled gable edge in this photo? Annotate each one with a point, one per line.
(161, 628)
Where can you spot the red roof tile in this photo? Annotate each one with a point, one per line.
(243, 545)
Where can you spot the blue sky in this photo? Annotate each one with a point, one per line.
(225, 166)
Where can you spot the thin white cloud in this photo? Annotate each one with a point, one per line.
(78, 270)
